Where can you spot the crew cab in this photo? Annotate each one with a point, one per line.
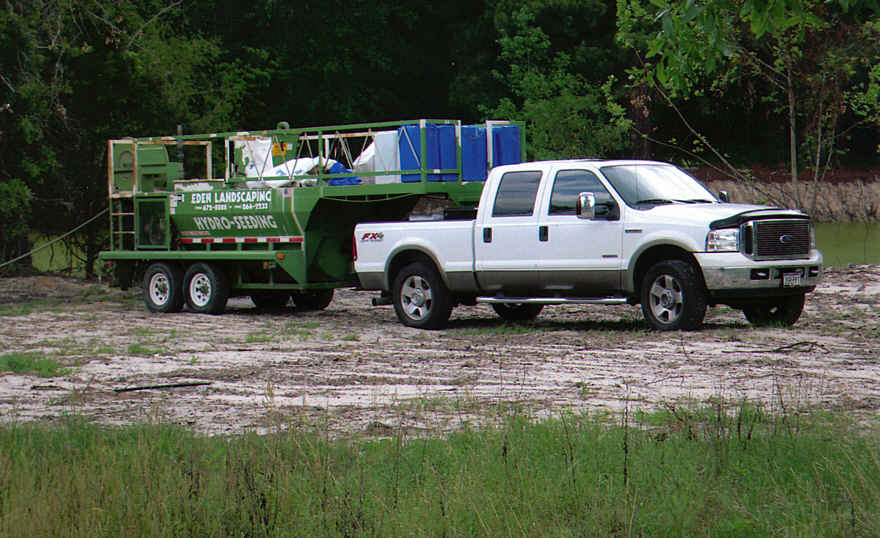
(594, 232)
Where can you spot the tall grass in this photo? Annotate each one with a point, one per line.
(707, 471)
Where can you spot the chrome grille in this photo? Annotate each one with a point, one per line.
(782, 238)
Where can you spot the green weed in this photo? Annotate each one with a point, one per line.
(31, 363)
(144, 349)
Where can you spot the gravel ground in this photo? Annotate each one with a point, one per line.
(353, 368)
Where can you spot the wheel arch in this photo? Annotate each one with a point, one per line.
(651, 255)
(400, 259)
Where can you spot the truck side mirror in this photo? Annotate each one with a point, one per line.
(722, 195)
(586, 206)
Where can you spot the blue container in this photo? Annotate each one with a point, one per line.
(440, 151)
(473, 153)
(506, 145)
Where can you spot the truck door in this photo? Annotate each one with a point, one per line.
(506, 239)
(579, 257)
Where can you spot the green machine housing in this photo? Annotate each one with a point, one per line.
(275, 210)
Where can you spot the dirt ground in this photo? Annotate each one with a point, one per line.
(353, 369)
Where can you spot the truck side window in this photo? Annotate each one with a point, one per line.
(516, 194)
(568, 184)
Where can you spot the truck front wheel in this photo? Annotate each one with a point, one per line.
(783, 311)
(673, 297)
(420, 297)
(163, 290)
(205, 288)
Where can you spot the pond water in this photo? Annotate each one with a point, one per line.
(843, 243)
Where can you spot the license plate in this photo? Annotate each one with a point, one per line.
(791, 280)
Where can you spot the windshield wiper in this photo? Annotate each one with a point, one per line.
(697, 201)
(655, 201)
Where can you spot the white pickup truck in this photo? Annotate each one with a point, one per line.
(595, 232)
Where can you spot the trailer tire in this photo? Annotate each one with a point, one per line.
(312, 300)
(517, 311)
(205, 288)
(420, 297)
(163, 288)
(673, 297)
(269, 300)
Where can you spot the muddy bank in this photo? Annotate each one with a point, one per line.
(841, 195)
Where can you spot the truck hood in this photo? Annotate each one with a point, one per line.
(719, 215)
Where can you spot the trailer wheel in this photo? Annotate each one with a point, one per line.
(673, 297)
(270, 300)
(420, 297)
(313, 300)
(517, 311)
(783, 311)
(163, 290)
(205, 288)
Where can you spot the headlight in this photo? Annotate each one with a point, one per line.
(812, 236)
(723, 240)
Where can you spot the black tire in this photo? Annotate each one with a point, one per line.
(783, 311)
(163, 288)
(673, 296)
(205, 288)
(517, 311)
(269, 300)
(420, 297)
(312, 300)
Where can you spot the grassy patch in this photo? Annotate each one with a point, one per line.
(693, 472)
(15, 310)
(31, 363)
(258, 337)
(144, 349)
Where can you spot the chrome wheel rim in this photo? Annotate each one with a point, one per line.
(416, 298)
(666, 299)
(160, 289)
(200, 290)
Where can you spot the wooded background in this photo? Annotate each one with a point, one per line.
(727, 85)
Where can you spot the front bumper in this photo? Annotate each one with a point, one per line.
(735, 274)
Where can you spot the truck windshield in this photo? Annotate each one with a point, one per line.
(642, 184)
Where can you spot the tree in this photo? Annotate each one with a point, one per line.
(801, 54)
(559, 78)
(80, 72)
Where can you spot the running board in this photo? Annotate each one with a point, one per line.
(551, 300)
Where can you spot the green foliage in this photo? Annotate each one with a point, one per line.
(31, 363)
(79, 73)
(15, 199)
(807, 63)
(718, 470)
(552, 88)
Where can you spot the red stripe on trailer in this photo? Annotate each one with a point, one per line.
(275, 239)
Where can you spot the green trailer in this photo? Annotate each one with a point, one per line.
(271, 214)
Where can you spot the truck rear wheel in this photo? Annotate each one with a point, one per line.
(517, 311)
(270, 300)
(205, 288)
(313, 300)
(673, 297)
(420, 297)
(163, 289)
(777, 311)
